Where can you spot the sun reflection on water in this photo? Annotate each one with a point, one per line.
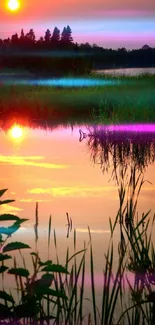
(16, 132)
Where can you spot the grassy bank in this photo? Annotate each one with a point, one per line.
(56, 293)
(126, 99)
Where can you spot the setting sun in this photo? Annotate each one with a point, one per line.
(16, 132)
(13, 5)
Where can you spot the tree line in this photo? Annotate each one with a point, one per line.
(28, 40)
(57, 52)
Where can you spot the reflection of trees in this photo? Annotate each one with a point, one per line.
(128, 154)
(120, 148)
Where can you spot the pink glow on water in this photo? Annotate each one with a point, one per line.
(144, 128)
(99, 278)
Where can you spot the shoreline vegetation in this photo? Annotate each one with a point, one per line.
(56, 52)
(55, 293)
(66, 102)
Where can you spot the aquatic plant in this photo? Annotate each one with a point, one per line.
(65, 300)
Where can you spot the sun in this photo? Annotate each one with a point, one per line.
(16, 132)
(13, 5)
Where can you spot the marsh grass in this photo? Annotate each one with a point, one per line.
(58, 296)
(127, 99)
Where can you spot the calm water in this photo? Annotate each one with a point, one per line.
(56, 169)
(127, 71)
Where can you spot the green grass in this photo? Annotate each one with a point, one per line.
(131, 100)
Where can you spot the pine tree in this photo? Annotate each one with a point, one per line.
(22, 36)
(47, 36)
(69, 34)
(56, 35)
(66, 37)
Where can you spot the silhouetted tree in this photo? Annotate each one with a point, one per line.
(30, 36)
(86, 58)
(7, 41)
(47, 36)
(146, 47)
(66, 35)
(22, 36)
(41, 40)
(14, 39)
(69, 34)
(56, 35)
(21, 40)
(55, 39)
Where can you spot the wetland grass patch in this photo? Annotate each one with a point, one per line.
(125, 99)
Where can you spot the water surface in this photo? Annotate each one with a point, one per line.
(126, 71)
(70, 170)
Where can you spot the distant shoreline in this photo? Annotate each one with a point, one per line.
(23, 73)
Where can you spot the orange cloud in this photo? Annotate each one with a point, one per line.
(32, 200)
(29, 161)
(74, 191)
(6, 208)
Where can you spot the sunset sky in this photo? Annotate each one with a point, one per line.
(108, 23)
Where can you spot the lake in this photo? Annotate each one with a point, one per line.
(126, 71)
(55, 168)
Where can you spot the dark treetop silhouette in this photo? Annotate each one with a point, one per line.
(57, 51)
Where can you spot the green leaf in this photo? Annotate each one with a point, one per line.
(28, 309)
(4, 257)
(56, 293)
(1, 239)
(19, 271)
(3, 191)
(9, 230)
(4, 295)
(55, 268)
(14, 246)
(39, 290)
(6, 202)
(3, 268)
(8, 217)
(4, 311)
(49, 262)
(46, 280)
(22, 220)
(34, 254)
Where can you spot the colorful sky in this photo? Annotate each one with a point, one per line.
(108, 23)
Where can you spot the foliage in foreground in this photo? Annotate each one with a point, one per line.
(63, 289)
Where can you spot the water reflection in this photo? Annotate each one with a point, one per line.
(129, 150)
(16, 132)
(127, 71)
(121, 146)
(67, 182)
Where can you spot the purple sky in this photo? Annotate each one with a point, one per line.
(112, 23)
